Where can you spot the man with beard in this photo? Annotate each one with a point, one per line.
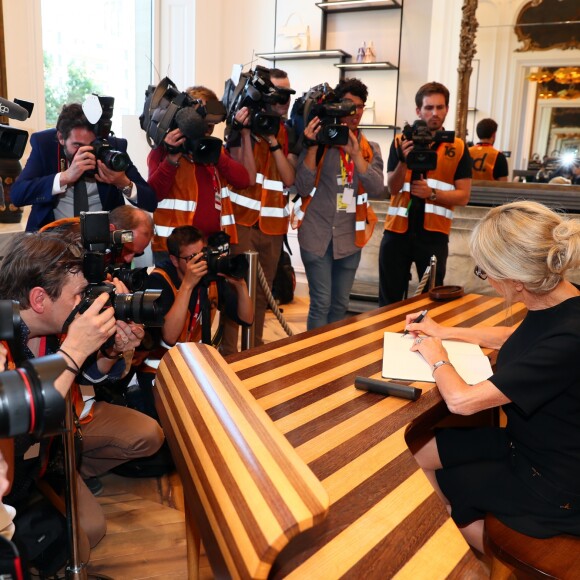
(419, 217)
(63, 177)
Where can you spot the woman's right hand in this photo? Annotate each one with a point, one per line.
(426, 327)
(174, 138)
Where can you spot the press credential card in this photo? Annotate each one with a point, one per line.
(399, 362)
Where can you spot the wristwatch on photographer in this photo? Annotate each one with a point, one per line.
(433, 195)
(126, 191)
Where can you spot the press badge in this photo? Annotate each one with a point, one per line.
(349, 199)
(218, 201)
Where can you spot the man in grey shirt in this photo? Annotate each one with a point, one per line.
(333, 215)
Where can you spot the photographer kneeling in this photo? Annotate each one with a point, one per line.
(192, 292)
(44, 272)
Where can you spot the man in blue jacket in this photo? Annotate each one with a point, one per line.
(63, 176)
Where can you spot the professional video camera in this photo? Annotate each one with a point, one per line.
(216, 254)
(13, 141)
(256, 91)
(102, 150)
(29, 403)
(423, 158)
(321, 101)
(99, 242)
(166, 109)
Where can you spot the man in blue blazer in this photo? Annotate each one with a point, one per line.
(59, 161)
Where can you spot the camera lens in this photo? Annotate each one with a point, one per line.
(115, 160)
(9, 319)
(140, 307)
(29, 403)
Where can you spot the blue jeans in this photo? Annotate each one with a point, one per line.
(329, 285)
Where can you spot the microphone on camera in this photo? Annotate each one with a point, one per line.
(12, 110)
(190, 123)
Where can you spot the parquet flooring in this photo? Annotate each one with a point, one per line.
(145, 525)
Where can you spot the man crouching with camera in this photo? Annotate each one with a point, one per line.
(196, 281)
(44, 272)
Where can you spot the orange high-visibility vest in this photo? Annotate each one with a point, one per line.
(365, 217)
(179, 209)
(483, 157)
(438, 217)
(267, 200)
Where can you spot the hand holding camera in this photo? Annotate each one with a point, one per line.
(196, 270)
(83, 161)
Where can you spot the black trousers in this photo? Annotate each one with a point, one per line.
(397, 254)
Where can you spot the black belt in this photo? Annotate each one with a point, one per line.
(533, 479)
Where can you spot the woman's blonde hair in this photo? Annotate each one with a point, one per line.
(527, 242)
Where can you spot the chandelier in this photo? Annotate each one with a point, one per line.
(549, 79)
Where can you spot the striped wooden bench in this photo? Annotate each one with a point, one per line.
(246, 491)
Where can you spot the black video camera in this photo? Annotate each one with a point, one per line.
(102, 150)
(256, 91)
(321, 101)
(216, 254)
(99, 243)
(29, 403)
(423, 158)
(166, 109)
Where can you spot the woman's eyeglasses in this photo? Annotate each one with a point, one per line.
(482, 274)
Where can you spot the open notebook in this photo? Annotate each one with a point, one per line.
(399, 362)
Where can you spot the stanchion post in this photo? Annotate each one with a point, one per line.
(432, 271)
(252, 282)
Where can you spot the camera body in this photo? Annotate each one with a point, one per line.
(322, 102)
(423, 158)
(166, 108)
(216, 254)
(256, 91)
(113, 159)
(100, 244)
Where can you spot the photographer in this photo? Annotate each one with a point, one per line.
(127, 217)
(489, 164)
(44, 272)
(191, 193)
(54, 179)
(262, 210)
(333, 215)
(189, 299)
(419, 217)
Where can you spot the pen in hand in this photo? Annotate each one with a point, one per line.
(419, 318)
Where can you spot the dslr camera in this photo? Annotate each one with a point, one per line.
(322, 102)
(99, 244)
(256, 91)
(216, 254)
(29, 403)
(166, 108)
(423, 158)
(102, 150)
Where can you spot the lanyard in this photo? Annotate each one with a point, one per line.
(346, 168)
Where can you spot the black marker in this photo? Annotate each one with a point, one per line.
(387, 388)
(417, 320)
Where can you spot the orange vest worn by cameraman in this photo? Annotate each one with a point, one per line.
(267, 200)
(191, 331)
(438, 217)
(179, 208)
(483, 156)
(365, 217)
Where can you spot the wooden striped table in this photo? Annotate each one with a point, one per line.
(385, 519)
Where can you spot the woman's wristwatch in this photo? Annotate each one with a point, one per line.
(438, 364)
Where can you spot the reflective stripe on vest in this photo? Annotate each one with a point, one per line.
(298, 212)
(178, 204)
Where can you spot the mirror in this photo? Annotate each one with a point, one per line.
(514, 41)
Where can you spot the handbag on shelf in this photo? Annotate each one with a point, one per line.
(369, 53)
(294, 35)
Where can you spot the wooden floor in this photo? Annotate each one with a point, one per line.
(145, 525)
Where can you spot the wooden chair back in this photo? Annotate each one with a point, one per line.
(247, 492)
(525, 557)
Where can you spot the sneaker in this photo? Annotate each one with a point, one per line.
(95, 485)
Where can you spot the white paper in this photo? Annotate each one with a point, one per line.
(399, 362)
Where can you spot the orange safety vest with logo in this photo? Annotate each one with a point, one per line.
(483, 157)
(189, 332)
(179, 208)
(438, 217)
(365, 217)
(268, 199)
